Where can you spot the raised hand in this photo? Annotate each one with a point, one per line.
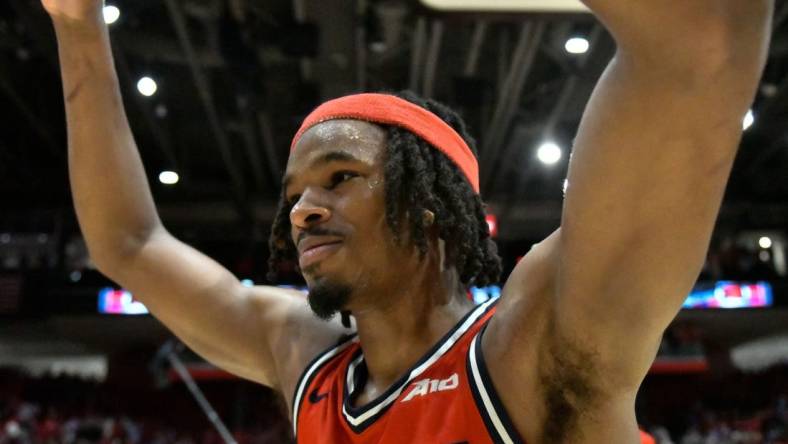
(74, 11)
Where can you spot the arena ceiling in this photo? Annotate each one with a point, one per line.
(235, 77)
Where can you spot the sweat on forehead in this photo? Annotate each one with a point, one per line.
(342, 131)
(363, 139)
(336, 141)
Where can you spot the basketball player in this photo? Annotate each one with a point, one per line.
(381, 208)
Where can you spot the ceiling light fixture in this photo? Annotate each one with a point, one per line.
(147, 86)
(549, 153)
(111, 14)
(507, 5)
(576, 45)
(749, 119)
(168, 177)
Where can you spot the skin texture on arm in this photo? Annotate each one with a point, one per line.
(256, 333)
(583, 313)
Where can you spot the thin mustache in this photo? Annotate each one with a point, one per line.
(316, 232)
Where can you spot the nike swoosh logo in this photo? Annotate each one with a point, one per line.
(314, 397)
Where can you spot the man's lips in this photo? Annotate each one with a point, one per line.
(312, 241)
(317, 253)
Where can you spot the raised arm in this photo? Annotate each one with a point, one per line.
(242, 330)
(587, 306)
(649, 168)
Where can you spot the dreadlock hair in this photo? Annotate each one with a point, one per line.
(418, 177)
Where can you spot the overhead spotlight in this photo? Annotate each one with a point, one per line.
(111, 14)
(769, 89)
(549, 153)
(765, 242)
(168, 177)
(749, 118)
(147, 86)
(377, 47)
(75, 276)
(576, 45)
(23, 54)
(161, 111)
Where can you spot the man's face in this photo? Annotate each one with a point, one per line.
(334, 182)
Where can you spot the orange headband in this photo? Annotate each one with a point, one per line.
(391, 110)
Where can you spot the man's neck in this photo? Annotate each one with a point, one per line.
(394, 337)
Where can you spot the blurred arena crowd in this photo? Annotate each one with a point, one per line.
(70, 410)
(700, 409)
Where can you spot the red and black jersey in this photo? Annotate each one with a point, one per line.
(446, 397)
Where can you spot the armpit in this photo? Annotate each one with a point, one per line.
(569, 387)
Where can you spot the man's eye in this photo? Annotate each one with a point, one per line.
(341, 176)
(291, 201)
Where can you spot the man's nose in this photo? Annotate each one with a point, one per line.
(308, 211)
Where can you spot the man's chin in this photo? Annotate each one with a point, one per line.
(319, 274)
(326, 298)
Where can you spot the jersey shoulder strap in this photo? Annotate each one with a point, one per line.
(343, 346)
(496, 419)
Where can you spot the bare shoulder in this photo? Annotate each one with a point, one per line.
(296, 335)
(526, 300)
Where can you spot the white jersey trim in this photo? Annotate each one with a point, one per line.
(372, 411)
(306, 377)
(489, 407)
